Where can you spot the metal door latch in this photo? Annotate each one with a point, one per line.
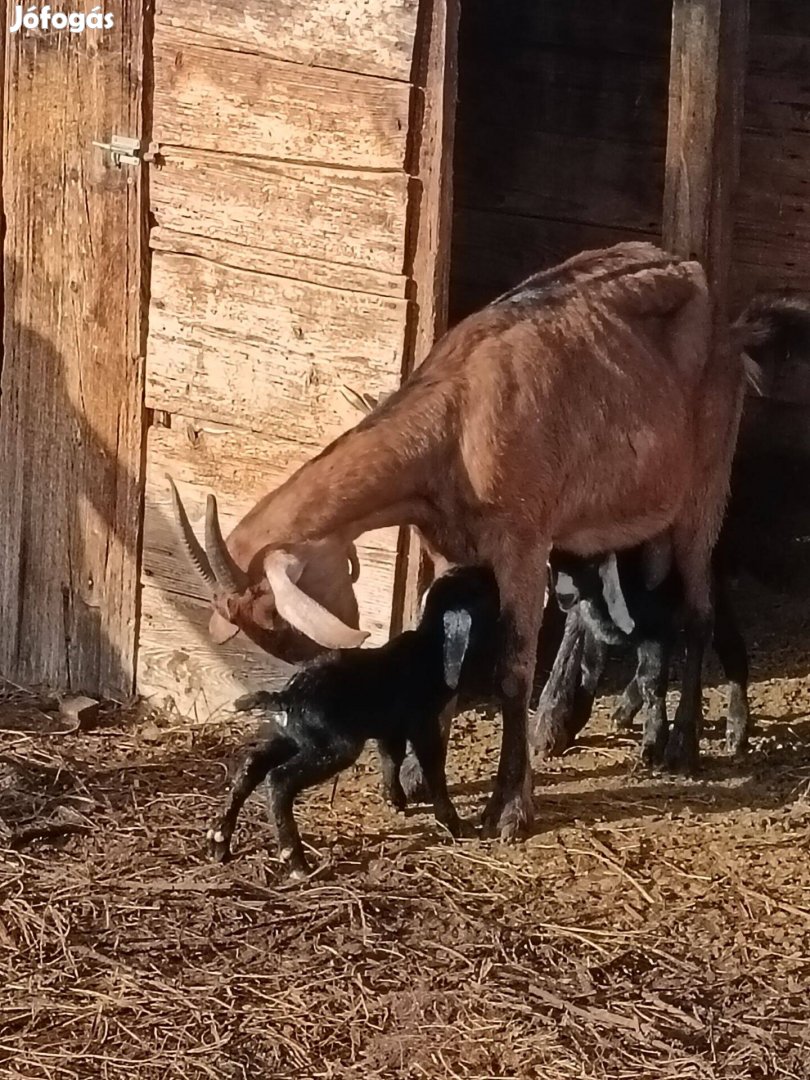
(126, 151)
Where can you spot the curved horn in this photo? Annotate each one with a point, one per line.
(354, 563)
(228, 574)
(190, 541)
(301, 611)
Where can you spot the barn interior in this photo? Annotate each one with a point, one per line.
(562, 146)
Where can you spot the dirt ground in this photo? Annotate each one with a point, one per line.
(649, 928)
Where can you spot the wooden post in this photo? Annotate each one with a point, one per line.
(430, 227)
(706, 91)
(72, 380)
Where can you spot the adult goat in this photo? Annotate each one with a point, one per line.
(588, 408)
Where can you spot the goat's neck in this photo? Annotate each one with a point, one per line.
(370, 478)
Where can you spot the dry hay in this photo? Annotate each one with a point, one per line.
(649, 929)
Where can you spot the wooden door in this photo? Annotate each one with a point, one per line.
(72, 386)
(300, 207)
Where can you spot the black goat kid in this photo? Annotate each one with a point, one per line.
(319, 723)
(609, 601)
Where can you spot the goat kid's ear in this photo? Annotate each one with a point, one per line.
(614, 597)
(457, 625)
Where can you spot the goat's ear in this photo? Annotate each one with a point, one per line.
(614, 597)
(221, 629)
(457, 625)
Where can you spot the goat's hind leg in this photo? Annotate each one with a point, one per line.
(259, 757)
(392, 754)
(431, 753)
(652, 678)
(553, 719)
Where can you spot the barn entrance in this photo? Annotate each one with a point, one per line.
(563, 146)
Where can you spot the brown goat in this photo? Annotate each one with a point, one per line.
(588, 408)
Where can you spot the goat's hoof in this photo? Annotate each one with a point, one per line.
(622, 720)
(412, 782)
(550, 737)
(219, 845)
(298, 874)
(508, 819)
(395, 797)
(681, 755)
(737, 744)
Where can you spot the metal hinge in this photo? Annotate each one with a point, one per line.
(126, 151)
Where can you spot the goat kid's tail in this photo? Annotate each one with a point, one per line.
(773, 329)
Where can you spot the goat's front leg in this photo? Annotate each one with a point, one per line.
(521, 579)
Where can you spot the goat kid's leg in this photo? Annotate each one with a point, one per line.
(522, 574)
(256, 764)
(594, 658)
(553, 718)
(284, 783)
(431, 752)
(629, 705)
(652, 678)
(411, 776)
(392, 755)
(731, 651)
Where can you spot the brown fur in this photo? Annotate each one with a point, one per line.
(588, 409)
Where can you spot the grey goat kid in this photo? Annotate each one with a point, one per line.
(319, 723)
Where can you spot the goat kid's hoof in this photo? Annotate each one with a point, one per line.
(219, 845)
(395, 797)
(681, 755)
(412, 781)
(297, 865)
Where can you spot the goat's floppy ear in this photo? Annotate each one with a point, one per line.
(614, 597)
(457, 625)
(283, 570)
(220, 629)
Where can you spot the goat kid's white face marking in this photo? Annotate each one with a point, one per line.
(281, 718)
(614, 597)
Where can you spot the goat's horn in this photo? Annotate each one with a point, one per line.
(301, 611)
(190, 541)
(228, 574)
(364, 402)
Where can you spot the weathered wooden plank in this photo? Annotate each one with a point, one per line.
(72, 382)
(567, 177)
(709, 43)
(335, 215)
(280, 264)
(240, 103)
(239, 467)
(371, 37)
(493, 251)
(432, 210)
(253, 350)
(178, 665)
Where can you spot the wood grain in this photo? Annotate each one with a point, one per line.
(431, 232)
(257, 351)
(72, 381)
(335, 215)
(239, 103)
(371, 37)
(709, 45)
(280, 264)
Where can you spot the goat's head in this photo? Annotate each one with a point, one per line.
(293, 603)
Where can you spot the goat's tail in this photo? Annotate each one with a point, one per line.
(774, 328)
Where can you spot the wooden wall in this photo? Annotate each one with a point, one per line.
(280, 256)
(561, 135)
